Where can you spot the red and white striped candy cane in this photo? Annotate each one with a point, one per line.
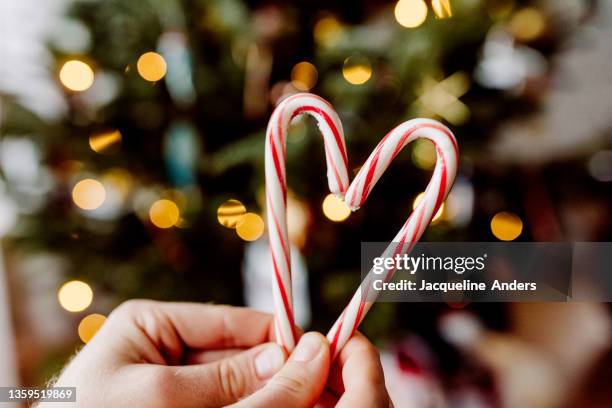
(438, 188)
(276, 194)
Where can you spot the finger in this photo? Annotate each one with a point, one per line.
(162, 330)
(328, 400)
(301, 381)
(362, 375)
(208, 356)
(224, 381)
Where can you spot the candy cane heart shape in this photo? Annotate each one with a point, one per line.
(355, 196)
(276, 194)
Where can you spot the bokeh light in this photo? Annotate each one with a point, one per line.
(151, 66)
(335, 208)
(75, 296)
(440, 212)
(527, 24)
(424, 154)
(76, 75)
(88, 194)
(357, 70)
(327, 31)
(230, 212)
(410, 13)
(250, 227)
(442, 8)
(89, 326)
(304, 76)
(506, 226)
(164, 213)
(106, 142)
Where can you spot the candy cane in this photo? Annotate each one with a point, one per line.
(337, 174)
(276, 194)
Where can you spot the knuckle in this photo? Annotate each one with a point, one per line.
(161, 382)
(291, 385)
(231, 379)
(131, 307)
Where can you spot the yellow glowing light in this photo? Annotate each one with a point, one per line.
(410, 13)
(357, 70)
(442, 8)
(164, 213)
(88, 194)
(424, 154)
(230, 212)
(250, 227)
(527, 24)
(76, 75)
(506, 226)
(327, 31)
(335, 209)
(75, 296)
(436, 217)
(106, 142)
(304, 76)
(89, 326)
(151, 66)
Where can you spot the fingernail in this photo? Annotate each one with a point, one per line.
(307, 348)
(269, 361)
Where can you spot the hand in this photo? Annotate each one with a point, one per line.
(154, 354)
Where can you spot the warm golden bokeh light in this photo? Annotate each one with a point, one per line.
(230, 212)
(164, 213)
(106, 142)
(151, 66)
(527, 24)
(424, 154)
(442, 8)
(89, 326)
(410, 13)
(304, 76)
(357, 70)
(506, 226)
(440, 212)
(88, 194)
(76, 75)
(335, 208)
(75, 296)
(250, 227)
(327, 31)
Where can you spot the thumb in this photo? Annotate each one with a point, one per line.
(225, 381)
(301, 380)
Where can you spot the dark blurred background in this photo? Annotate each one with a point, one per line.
(131, 165)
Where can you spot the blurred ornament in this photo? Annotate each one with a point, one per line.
(505, 65)
(181, 153)
(75, 296)
(230, 212)
(70, 36)
(600, 166)
(436, 217)
(89, 326)
(173, 45)
(104, 89)
(151, 66)
(250, 227)
(527, 24)
(335, 208)
(256, 268)
(328, 31)
(164, 214)
(106, 142)
(304, 76)
(88, 194)
(257, 80)
(357, 70)
(424, 154)
(442, 98)
(506, 226)
(442, 8)
(410, 13)
(76, 75)
(460, 203)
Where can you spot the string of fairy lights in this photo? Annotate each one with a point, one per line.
(164, 211)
